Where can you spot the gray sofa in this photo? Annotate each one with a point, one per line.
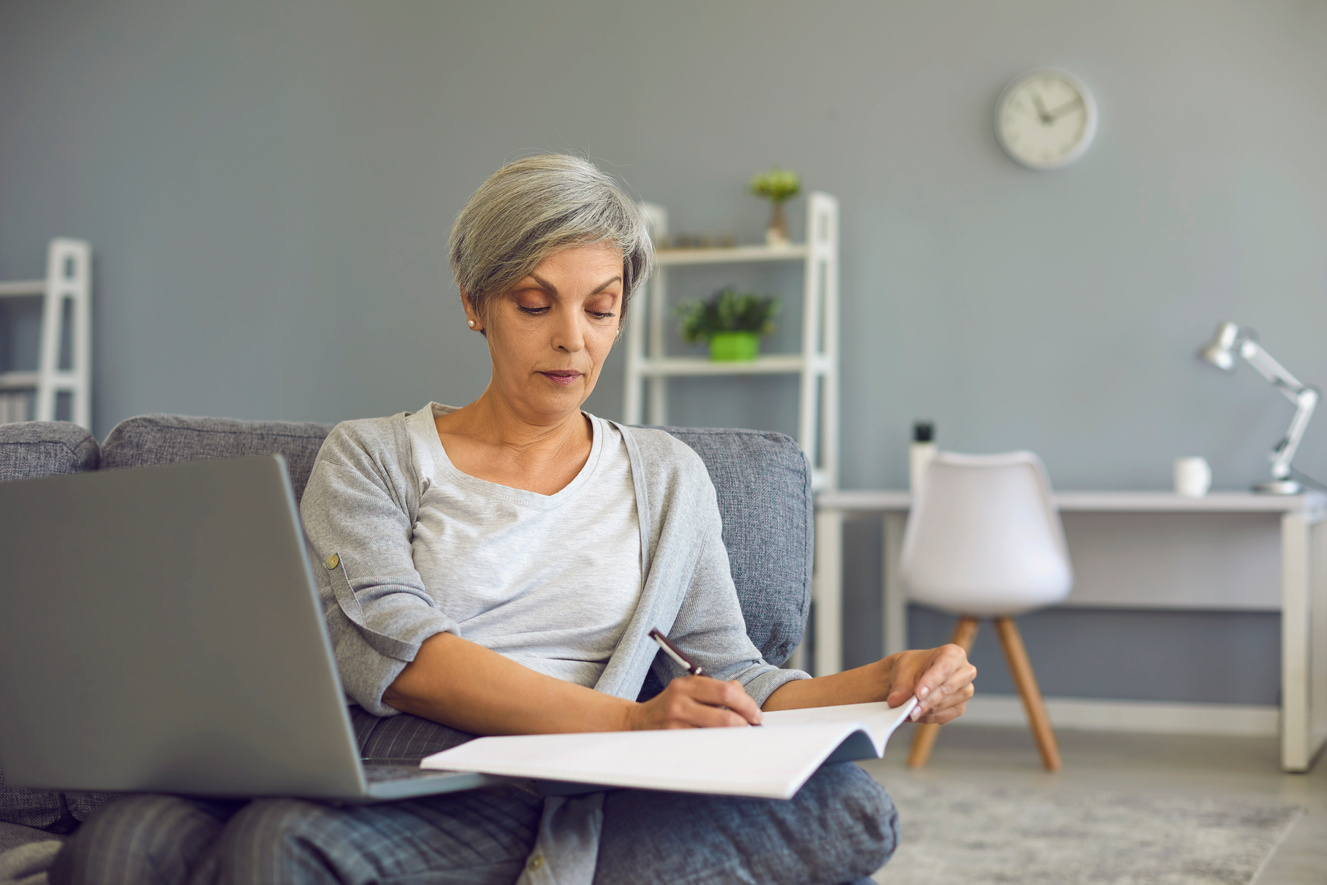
(762, 480)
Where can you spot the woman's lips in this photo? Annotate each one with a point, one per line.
(563, 378)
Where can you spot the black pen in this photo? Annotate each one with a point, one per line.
(676, 653)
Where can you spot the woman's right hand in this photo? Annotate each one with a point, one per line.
(696, 702)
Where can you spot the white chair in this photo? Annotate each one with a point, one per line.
(984, 540)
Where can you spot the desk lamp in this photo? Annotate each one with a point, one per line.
(1230, 339)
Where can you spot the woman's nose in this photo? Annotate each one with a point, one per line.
(568, 334)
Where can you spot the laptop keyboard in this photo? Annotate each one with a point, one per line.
(383, 772)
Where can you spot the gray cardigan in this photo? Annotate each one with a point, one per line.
(358, 512)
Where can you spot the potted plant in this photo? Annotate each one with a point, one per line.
(778, 186)
(731, 321)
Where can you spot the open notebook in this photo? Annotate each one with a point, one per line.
(771, 762)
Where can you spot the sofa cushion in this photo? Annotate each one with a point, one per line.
(763, 484)
(762, 480)
(162, 439)
(48, 810)
(45, 448)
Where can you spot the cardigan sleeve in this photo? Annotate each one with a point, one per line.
(357, 514)
(709, 625)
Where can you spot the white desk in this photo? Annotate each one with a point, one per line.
(1225, 551)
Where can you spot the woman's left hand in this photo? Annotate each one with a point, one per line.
(941, 678)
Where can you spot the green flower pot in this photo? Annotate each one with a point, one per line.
(731, 347)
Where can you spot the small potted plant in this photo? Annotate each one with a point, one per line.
(778, 186)
(731, 321)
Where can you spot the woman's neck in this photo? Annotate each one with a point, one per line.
(487, 441)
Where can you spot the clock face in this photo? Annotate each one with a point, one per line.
(1045, 119)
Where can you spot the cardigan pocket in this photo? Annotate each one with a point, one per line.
(396, 649)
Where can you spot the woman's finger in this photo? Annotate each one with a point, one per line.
(940, 678)
(701, 702)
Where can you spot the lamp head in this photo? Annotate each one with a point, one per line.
(1220, 351)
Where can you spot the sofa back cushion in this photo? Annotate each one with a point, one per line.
(163, 439)
(762, 481)
(763, 484)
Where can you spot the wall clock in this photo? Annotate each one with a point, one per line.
(1045, 119)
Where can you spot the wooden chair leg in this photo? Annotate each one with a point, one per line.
(923, 737)
(1019, 667)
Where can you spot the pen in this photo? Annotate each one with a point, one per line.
(676, 653)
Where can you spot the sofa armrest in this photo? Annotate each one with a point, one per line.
(46, 448)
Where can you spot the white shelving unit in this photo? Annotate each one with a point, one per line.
(64, 348)
(649, 366)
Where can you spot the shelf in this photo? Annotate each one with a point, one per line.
(22, 288)
(731, 254)
(773, 364)
(18, 380)
(59, 387)
(814, 364)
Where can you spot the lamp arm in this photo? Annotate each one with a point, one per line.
(1284, 451)
(1290, 386)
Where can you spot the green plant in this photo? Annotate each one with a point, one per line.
(727, 311)
(777, 185)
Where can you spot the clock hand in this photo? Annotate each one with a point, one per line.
(1041, 109)
(1066, 107)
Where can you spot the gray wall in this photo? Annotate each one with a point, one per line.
(268, 189)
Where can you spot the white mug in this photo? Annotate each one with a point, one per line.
(1192, 477)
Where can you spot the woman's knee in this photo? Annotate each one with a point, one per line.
(841, 826)
(276, 840)
(483, 835)
(147, 839)
(848, 808)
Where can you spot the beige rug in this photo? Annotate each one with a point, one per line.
(953, 832)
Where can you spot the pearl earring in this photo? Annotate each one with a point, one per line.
(472, 324)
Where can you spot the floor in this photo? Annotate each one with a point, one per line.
(1200, 766)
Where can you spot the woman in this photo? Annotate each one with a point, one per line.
(494, 569)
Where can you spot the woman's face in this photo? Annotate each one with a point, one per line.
(548, 336)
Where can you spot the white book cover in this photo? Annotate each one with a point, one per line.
(771, 761)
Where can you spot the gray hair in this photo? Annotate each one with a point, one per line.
(534, 208)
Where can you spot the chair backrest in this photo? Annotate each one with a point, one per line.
(984, 537)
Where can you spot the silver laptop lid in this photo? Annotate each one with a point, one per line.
(160, 631)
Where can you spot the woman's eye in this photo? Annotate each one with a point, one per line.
(531, 310)
(602, 314)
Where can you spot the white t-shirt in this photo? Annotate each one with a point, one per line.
(549, 581)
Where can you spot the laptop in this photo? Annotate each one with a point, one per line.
(160, 631)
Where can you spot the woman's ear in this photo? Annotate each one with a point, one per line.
(471, 313)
